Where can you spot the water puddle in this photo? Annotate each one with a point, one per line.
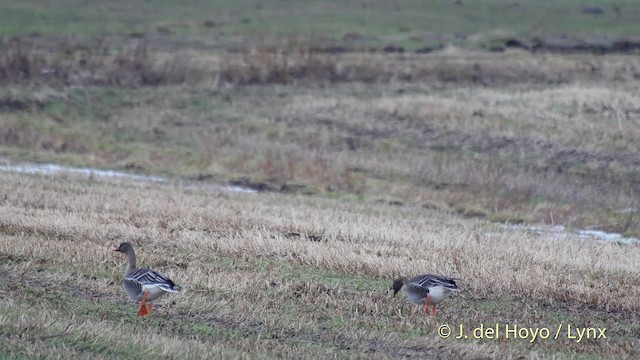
(559, 231)
(606, 236)
(99, 174)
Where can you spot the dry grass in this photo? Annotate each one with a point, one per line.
(515, 136)
(385, 152)
(255, 289)
(105, 61)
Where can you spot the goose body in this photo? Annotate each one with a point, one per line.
(144, 285)
(428, 290)
(141, 280)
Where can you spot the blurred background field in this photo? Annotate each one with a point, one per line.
(353, 24)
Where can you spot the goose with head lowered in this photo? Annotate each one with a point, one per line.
(427, 290)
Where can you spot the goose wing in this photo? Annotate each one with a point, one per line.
(428, 280)
(150, 278)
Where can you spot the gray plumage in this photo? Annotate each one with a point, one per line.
(418, 287)
(136, 281)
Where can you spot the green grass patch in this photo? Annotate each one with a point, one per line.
(412, 24)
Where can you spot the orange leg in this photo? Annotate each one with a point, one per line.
(143, 310)
(433, 310)
(426, 304)
(149, 307)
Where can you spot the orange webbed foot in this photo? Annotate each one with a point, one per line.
(144, 309)
(426, 304)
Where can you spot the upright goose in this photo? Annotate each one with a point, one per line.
(426, 289)
(143, 284)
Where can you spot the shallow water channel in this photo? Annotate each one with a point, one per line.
(105, 175)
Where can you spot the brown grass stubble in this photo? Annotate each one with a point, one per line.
(558, 139)
(67, 227)
(134, 63)
(516, 144)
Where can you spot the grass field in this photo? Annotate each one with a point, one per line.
(411, 24)
(385, 140)
(254, 289)
(511, 137)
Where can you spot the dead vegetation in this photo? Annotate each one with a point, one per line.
(247, 286)
(139, 63)
(382, 150)
(557, 147)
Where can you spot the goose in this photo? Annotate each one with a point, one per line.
(143, 285)
(426, 289)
